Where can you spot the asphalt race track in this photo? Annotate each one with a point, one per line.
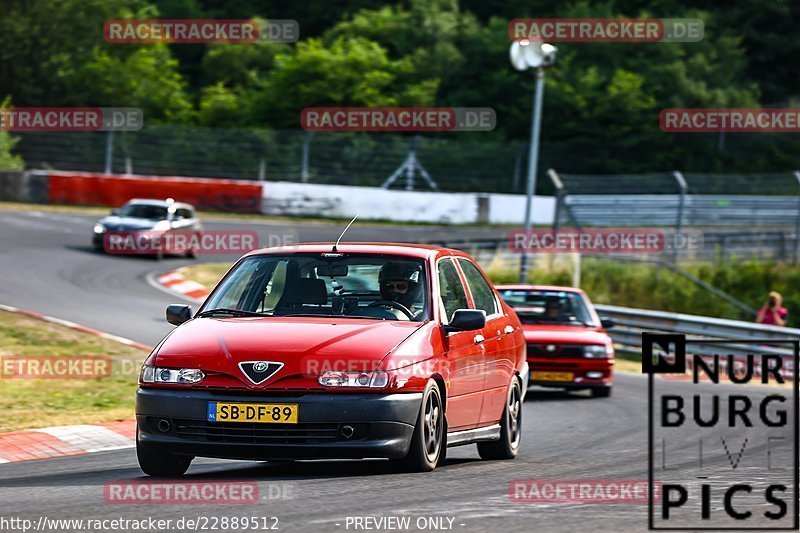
(48, 267)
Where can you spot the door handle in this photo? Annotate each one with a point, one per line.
(478, 338)
(509, 329)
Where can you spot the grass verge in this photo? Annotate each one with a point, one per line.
(33, 403)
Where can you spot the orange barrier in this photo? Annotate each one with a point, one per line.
(83, 188)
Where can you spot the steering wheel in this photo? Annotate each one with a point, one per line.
(394, 305)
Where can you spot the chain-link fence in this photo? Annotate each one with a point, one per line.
(287, 155)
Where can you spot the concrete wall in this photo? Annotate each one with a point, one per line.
(18, 186)
(510, 209)
(343, 201)
(275, 197)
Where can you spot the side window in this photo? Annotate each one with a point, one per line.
(235, 286)
(184, 213)
(452, 291)
(482, 293)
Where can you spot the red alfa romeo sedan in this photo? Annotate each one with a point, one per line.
(317, 351)
(568, 346)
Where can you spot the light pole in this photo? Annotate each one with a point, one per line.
(525, 54)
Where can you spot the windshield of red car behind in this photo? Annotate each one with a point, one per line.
(344, 285)
(542, 307)
(151, 212)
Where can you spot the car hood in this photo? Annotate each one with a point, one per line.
(552, 334)
(115, 223)
(305, 346)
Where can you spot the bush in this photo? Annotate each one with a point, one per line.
(649, 286)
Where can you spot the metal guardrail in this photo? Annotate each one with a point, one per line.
(630, 323)
(699, 210)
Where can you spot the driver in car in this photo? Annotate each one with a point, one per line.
(399, 283)
(552, 309)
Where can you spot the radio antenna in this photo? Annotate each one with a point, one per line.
(343, 232)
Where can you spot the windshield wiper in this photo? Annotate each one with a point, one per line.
(224, 311)
(332, 316)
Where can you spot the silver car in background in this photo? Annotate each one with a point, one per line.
(148, 219)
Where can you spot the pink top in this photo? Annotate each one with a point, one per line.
(768, 318)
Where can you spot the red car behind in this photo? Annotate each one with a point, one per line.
(567, 345)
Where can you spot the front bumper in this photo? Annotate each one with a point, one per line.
(586, 373)
(382, 425)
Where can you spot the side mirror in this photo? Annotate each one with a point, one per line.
(114, 212)
(607, 323)
(177, 314)
(466, 320)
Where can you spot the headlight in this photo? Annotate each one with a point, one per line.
(597, 351)
(154, 374)
(375, 379)
(99, 228)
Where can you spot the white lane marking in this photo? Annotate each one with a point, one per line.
(121, 340)
(59, 217)
(2, 460)
(89, 438)
(61, 321)
(73, 325)
(38, 224)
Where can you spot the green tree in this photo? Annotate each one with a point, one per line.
(353, 72)
(8, 160)
(147, 78)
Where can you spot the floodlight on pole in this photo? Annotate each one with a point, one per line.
(526, 54)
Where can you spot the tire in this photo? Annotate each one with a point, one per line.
(161, 464)
(601, 392)
(510, 428)
(427, 443)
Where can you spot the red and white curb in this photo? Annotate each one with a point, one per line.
(61, 441)
(73, 325)
(175, 281)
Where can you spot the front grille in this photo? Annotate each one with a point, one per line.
(561, 350)
(546, 365)
(245, 433)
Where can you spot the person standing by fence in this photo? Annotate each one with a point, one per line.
(772, 312)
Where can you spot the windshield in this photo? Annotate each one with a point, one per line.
(152, 212)
(540, 307)
(355, 286)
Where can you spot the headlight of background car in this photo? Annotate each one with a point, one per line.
(597, 351)
(99, 228)
(334, 378)
(153, 374)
